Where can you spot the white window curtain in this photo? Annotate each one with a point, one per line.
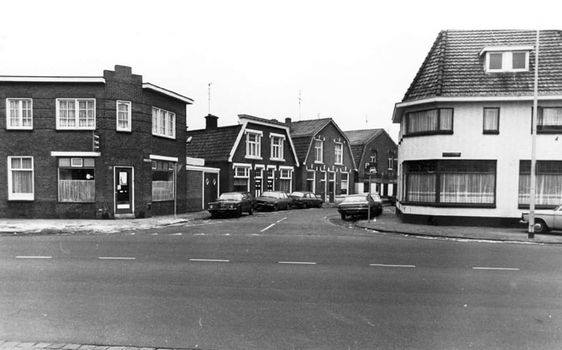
(548, 189)
(422, 121)
(550, 117)
(467, 188)
(421, 187)
(20, 177)
(446, 119)
(491, 119)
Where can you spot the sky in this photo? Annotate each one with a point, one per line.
(348, 60)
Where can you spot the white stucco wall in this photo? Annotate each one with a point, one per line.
(509, 147)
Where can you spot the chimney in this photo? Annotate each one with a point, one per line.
(288, 121)
(211, 122)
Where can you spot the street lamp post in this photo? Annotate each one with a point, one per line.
(532, 192)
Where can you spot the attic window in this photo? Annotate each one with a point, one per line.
(507, 61)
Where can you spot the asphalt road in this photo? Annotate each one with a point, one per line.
(281, 280)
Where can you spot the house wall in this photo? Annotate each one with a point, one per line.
(512, 144)
(330, 134)
(384, 181)
(116, 148)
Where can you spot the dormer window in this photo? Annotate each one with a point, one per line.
(506, 58)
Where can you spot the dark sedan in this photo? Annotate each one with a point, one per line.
(273, 200)
(358, 205)
(232, 203)
(306, 199)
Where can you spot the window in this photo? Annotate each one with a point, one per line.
(76, 113)
(123, 119)
(548, 187)
(20, 178)
(319, 150)
(338, 148)
(344, 183)
(390, 160)
(271, 178)
(285, 179)
(19, 113)
(550, 120)
(258, 180)
(241, 178)
(277, 146)
(253, 144)
(451, 183)
(76, 180)
(163, 123)
(162, 181)
(491, 120)
(311, 181)
(433, 121)
(507, 61)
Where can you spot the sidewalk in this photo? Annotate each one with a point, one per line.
(61, 226)
(389, 222)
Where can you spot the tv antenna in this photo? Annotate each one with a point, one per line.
(209, 98)
(300, 102)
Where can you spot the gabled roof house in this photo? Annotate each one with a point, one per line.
(465, 127)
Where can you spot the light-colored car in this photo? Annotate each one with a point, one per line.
(545, 220)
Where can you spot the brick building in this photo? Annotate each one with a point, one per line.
(374, 148)
(253, 156)
(325, 156)
(90, 147)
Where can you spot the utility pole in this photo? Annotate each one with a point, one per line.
(532, 194)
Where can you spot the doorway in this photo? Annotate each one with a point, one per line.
(124, 190)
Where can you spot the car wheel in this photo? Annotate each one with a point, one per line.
(540, 226)
(342, 215)
(251, 211)
(275, 208)
(213, 216)
(239, 212)
(304, 206)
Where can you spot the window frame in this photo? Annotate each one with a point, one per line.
(540, 128)
(129, 115)
(321, 148)
(507, 61)
(20, 196)
(76, 113)
(340, 144)
(438, 131)
(163, 116)
(72, 165)
(490, 131)
(346, 182)
(20, 111)
(259, 136)
(281, 146)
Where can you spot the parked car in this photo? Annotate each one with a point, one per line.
(273, 200)
(545, 220)
(358, 205)
(232, 203)
(306, 199)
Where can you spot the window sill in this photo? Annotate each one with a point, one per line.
(253, 157)
(77, 202)
(277, 159)
(76, 129)
(317, 162)
(549, 131)
(21, 199)
(338, 163)
(16, 128)
(164, 136)
(450, 205)
(123, 130)
(537, 206)
(429, 133)
(491, 132)
(163, 200)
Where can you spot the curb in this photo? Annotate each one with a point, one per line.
(14, 345)
(453, 237)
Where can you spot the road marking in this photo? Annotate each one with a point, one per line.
(226, 234)
(176, 234)
(199, 234)
(495, 268)
(154, 234)
(34, 257)
(210, 260)
(270, 226)
(116, 258)
(255, 234)
(297, 262)
(393, 265)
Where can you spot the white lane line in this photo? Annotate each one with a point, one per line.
(116, 258)
(393, 265)
(210, 260)
(154, 234)
(275, 223)
(176, 234)
(34, 257)
(199, 234)
(226, 234)
(297, 262)
(268, 227)
(495, 268)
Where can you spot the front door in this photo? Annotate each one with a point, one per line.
(210, 191)
(331, 186)
(123, 190)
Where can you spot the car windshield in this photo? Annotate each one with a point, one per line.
(230, 197)
(297, 194)
(271, 194)
(355, 199)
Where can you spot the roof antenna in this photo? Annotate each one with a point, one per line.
(300, 101)
(366, 121)
(209, 97)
